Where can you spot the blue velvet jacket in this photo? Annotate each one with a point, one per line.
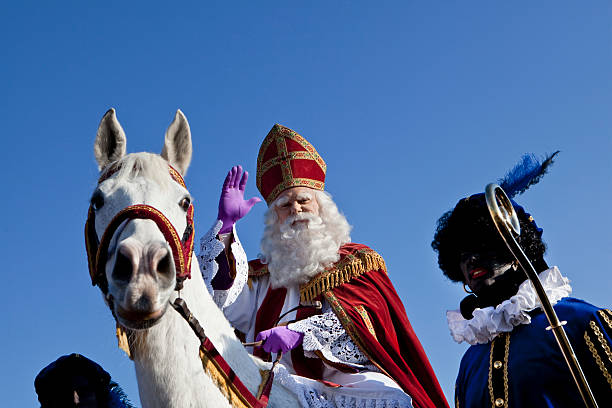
(524, 368)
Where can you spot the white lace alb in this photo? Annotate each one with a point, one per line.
(313, 394)
(490, 321)
(324, 333)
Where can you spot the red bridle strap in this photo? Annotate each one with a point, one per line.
(182, 249)
(97, 252)
(113, 168)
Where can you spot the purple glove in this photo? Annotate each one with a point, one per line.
(280, 339)
(232, 205)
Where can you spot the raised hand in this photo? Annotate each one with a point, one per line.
(232, 205)
(279, 339)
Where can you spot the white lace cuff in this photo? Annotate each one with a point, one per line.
(489, 321)
(325, 333)
(224, 298)
(210, 248)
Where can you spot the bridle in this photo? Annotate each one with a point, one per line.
(182, 250)
(181, 246)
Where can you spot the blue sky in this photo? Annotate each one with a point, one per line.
(413, 105)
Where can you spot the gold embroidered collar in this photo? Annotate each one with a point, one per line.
(348, 267)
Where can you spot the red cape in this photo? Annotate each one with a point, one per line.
(386, 337)
(362, 296)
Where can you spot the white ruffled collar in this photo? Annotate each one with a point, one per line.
(489, 321)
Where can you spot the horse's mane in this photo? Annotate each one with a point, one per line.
(147, 165)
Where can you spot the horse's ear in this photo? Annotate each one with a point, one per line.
(177, 146)
(110, 140)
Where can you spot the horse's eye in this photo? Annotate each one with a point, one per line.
(97, 200)
(185, 203)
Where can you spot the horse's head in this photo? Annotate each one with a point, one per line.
(139, 222)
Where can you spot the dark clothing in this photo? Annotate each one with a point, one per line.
(532, 366)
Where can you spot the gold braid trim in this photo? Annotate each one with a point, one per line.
(227, 388)
(506, 354)
(490, 376)
(349, 267)
(593, 350)
(604, 315)
(350, 329)
(604, 343)
(256, 273)
(456, 397)
(366, 319)
(506, 339)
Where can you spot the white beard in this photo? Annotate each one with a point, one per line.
(296, 253)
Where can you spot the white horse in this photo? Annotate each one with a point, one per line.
(141, 276)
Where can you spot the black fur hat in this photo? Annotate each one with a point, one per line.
(54, 378)
(468, 227)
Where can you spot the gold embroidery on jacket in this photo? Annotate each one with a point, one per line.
(604, 315)
(493, 365)
(598, 360)
(604, 343)
(456, 397)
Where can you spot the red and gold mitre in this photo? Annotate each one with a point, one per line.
(287, 160)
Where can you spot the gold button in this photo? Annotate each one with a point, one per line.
(497, 364)
(499, 402)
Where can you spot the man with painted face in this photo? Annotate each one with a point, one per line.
(513, 360)
(76, 381)
(324, 301)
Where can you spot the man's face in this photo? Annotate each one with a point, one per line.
(83, 393)
(484, 272)
(74, 391)
(296, 200)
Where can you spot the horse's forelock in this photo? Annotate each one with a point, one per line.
(148, 165)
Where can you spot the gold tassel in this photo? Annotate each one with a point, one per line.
(347, 269)
(222, 382)
(122, 340)
(265, 375)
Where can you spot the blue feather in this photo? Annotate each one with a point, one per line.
(528, 171)
(117, 397)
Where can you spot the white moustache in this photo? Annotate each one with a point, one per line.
(302, 221)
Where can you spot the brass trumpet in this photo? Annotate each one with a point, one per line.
(507, 224)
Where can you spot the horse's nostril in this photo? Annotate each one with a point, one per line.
(163, 266)
(123, 268)
(144, 303)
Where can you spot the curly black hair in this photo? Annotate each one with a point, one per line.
(469, 228)
(53, 383)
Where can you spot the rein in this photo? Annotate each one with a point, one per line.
(222, 374)
(213, 362)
